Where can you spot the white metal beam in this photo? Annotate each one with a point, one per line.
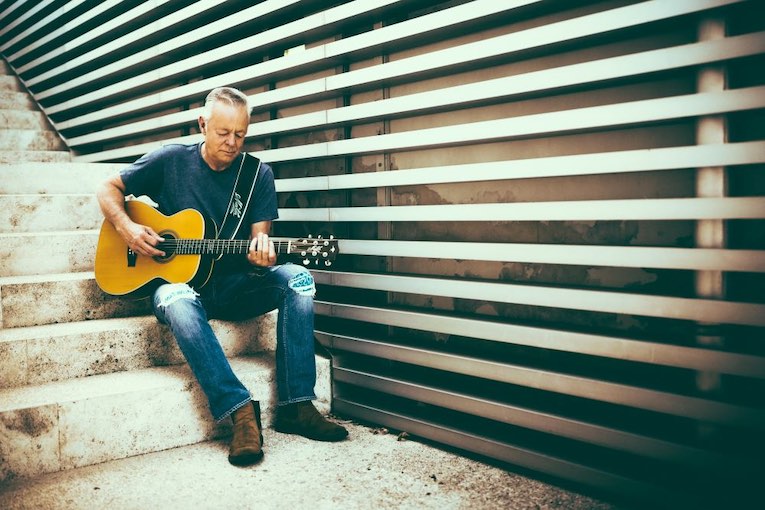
(658, 352)
(706, 310)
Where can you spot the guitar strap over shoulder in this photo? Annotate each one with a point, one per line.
(241, 196)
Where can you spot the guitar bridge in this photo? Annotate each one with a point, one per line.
(131, 257)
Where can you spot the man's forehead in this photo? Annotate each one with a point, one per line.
(223, 112)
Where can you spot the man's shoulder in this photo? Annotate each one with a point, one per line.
(178, 148)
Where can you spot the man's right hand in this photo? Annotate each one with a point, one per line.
(141, 239)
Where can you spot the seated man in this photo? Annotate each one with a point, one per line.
(204, 176)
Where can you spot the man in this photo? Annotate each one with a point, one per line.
(204, 177)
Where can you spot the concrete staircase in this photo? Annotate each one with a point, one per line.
(84, 377)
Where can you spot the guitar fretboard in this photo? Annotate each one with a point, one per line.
(214, 246)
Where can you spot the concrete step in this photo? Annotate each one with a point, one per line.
(30, 140)
(38, 178)
(57, 352)
(24, 254)
(9, 82)
(20, 119)
(80, 422)
(13, 100)
(49, 213)
(51, 299)
(372, 469)
(8, 157)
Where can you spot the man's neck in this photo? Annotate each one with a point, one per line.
(216, 167)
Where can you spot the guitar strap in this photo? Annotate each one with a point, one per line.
(241, 196)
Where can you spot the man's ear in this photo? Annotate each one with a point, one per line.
(202, 126)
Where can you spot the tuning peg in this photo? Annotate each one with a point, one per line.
(306, 262)
(327, 263)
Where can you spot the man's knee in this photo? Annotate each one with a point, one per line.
(301, 282)
(171, 293)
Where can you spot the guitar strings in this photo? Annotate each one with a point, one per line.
(215, 246)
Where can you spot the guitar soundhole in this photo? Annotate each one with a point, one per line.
(168, 246)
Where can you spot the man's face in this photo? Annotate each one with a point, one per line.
(224, 133)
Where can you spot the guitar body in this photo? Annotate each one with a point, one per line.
(121, 272)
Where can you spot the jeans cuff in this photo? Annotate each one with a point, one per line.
(233, 409)
(296, 400)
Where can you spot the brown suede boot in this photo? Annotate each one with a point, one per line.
(247, 442)
(303, 419)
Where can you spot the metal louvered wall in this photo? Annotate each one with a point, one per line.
(550, 213)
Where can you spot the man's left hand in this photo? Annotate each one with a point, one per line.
(262, 252)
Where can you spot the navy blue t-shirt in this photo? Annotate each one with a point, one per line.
(177, 178)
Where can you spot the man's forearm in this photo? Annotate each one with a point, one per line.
(112, 202)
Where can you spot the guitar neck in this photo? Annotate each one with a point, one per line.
(215, 246)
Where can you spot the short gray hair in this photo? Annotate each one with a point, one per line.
(229, 95)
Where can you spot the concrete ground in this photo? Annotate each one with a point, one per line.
(370, 470)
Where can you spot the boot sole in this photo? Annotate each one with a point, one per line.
(297, 431)
(247, 459)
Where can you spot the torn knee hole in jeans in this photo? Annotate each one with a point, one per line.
(178, 291)
(303, 284)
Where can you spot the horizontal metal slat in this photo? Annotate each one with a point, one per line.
(696, 259)
(61, 28)
(542, 124)
(9, 10)
(640, 445)
(635, 490)
(591, 25)
(33, 9)
(300, 27)
(365, 41)
(655, 352)
(50, 19)
(157, 26)
(544, 380)
(460, 96)
(641, 160)
(105, 28)
(549, 34)
(703, 310)
(575, 210)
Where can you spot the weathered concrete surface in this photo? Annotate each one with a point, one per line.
(10, 83)
(31, 140)
(31, 177)
(22, 119)
(368, 471)
(86, 421)
(15, 155)
(46, 213)
(42, 354)
(24, 254)
(61, 298)
(14, 100)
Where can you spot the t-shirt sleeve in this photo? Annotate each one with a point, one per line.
(264, 206)
(146, 175)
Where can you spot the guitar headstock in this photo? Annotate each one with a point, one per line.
(315, 250)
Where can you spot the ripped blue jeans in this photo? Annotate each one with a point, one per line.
(289, 288)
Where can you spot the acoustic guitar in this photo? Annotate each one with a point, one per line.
(190, 252)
